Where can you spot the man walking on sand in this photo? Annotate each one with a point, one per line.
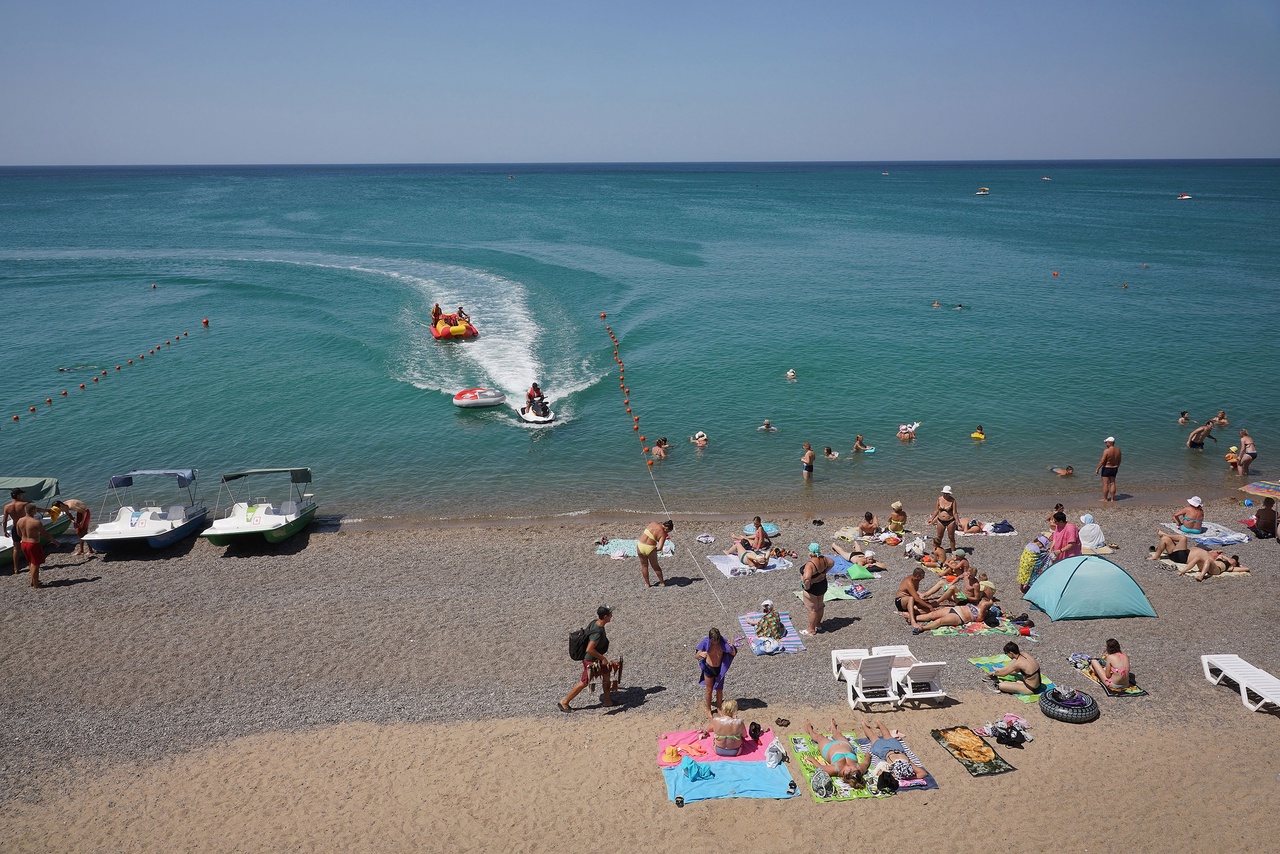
(651, 541)
(595, 663)
(1108, 467)
(34, 536)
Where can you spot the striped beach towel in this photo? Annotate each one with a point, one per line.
(790, 643)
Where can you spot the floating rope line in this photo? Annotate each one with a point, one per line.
(644, 449)
(48, 401)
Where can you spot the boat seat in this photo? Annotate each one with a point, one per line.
(176, 513)
(123, 515)
(289, 508)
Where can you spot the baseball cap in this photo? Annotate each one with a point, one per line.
(1111, 439)
(1195, 501)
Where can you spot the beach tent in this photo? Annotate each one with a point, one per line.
(1088, 587)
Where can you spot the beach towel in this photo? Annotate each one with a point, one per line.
(992, 663)
(627, 548)
(691, 742)
(731, 780)
(847, 569)
(731, 567)
(1212, 536)
(807, 757)
(986, 534)
(1101, 550)
(790, 643)
(971, 751)
(1005, 628)
(1131, 691)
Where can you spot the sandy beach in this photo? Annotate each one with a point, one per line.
(390, 688)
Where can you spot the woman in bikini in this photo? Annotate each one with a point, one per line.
(952, 615)
(648, 545)
(728, 729)
(890, 750)
(1248, 453)
(944, 516)
(1024, 669)
(839, 756)
(1113, 669)
(897, 518)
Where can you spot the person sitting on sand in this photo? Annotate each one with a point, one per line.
(1196, 440)
(728, 729)
(839, 756)
(1091, 536)
(714, 655)
(830, 454)
(769, 624)
(969, 526)
(1211, 563)
(908, 600)
(897, 518)
(1175, 547)
(858, 445)
(758, 540)
(1062, 471)
(1190, 519)
(869, 525)
(957, 616)
(865, 559)
(1024, 669)
(1264, 520)
(1113, 669)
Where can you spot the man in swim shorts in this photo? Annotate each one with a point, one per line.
(33, 536)
(649, 545)
(597, 646)
(908, 600)
(1108, 467)
(1190, 519)
(80, 514)
(806, 461)
(1173, 546)
(1196, 440)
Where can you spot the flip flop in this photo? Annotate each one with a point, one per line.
(782, 722)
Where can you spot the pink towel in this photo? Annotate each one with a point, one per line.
(752, 751)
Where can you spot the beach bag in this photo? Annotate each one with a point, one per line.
(578, 641)
(1002, 527)
(775, 754)
(915, 549)
(821, 784)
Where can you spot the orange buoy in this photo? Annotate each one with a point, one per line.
(635, 426)
(650, 462)
(81, 385)
(32, 408)
(64, 392)
(104, 373)
(644, 448)
(48, 400)
(642, 439)
(117, 367)
(184, 335)
(141, 357)
(15, 418)
(151, 352)
(1055, 272)
(131, 361)
(205, 322)
(637, 418)
(602, 315)
(628, 410)
(95, 379)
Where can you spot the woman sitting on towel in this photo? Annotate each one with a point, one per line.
(897, 518)
(1024, 669)
(839, 756)
(769, 625)
(1113, 670)
(728, 729)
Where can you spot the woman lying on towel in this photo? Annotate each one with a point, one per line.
(895, 765)
(867, 558)
(954, 615)
(1211, 563)
(839, 756)
(728, 729)
(748, 556)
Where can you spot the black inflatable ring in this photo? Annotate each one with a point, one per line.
(1076, 713)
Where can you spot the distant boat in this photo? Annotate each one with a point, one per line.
(1046, 178)
(884, 173)
(983, 191)
(1182, 196)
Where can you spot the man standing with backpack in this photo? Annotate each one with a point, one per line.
(593, 658)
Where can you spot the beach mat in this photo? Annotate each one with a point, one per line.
(1212, 536)
(992, 663)
(971, 751)
(731, 567)
(807, 757)
(1005, 628)
(691, 742)
(731, 780)
(790, 643)
(1131, 691)
(627, 548)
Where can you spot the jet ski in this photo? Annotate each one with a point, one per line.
(537, 412)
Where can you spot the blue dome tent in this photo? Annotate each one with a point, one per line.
(1088, 587)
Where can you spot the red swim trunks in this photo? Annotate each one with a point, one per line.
(34, 553)
(82, 524)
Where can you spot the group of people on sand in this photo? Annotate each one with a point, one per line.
(842, 758)
(21, 522)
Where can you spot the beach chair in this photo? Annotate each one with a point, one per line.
(1249, 679)
(176, 513)
(921, 681)
(872, 682)
(846, 660)
(902, 654)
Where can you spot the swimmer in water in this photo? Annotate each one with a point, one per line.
(1062, 471)
(1183, 417)
(791, 374)
(830, 454)
(766, 427)
(937, 304)
(959, 306)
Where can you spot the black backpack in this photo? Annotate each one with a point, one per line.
(578, 640)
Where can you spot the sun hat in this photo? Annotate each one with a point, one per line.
(897, 505)
(1234, 448)
(815, 549)
(699, 435)
(766, 604)
(946, 490)
(1111, 439)
(869, 553)
(1195, 501)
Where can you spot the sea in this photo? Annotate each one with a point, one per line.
(1074, 301)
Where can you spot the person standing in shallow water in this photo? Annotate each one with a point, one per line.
(1108, 467)
(806, 461)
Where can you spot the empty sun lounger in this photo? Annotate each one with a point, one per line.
(1250, 679)
(920, 681)
(872, 682)
(846, 660)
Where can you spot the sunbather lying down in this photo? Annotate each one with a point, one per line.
(867, 559)
(843, 760)
(1211, 563)
(954, 615)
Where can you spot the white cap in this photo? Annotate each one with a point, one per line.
(946, 490)
(1110, 439)
(768, 603)
(1195, 501)
(699, 435)
(869, 553)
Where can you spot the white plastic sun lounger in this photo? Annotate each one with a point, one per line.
(921, 681)
(1249, 679)
(872, 682)
(845, 661)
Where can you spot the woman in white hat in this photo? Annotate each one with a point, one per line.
(769, 624)
(944, 516)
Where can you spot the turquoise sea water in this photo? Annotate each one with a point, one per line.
(716, 280)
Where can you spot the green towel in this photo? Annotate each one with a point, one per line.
(808, 756)
(992, 663)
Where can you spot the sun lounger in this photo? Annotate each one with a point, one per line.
(921, 681)
(846, 659)
(1249, 679)
(872, 682)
